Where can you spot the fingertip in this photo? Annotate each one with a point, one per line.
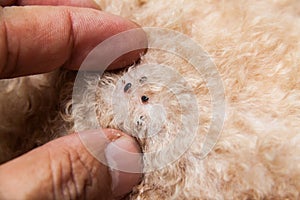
(131, 57)
(123, 47)
(122, 156)
(125, 163)
(135, 40)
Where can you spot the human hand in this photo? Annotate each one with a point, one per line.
(38, 39)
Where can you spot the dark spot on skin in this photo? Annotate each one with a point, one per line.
(140, 121)
(143, 79)
(144, 99)
(127, 87)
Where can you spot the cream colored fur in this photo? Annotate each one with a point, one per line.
(256, 48)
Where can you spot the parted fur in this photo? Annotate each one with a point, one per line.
(255, 46)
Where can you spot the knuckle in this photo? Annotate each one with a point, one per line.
(71, 35)
(3, 42)
(8, 56)
(70, 177)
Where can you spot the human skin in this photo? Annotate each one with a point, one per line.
(38, 39)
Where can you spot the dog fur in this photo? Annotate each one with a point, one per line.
(256, 49)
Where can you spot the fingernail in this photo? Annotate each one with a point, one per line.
(125, 163)
(96, 4)
(131, 45)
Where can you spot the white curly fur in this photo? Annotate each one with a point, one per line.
(255, 46)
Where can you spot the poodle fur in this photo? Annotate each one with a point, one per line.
(255, 46)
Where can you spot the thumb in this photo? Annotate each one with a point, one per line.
(66, 168)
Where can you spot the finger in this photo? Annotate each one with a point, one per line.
(65, 169)
(78, 3)
(39, 39)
